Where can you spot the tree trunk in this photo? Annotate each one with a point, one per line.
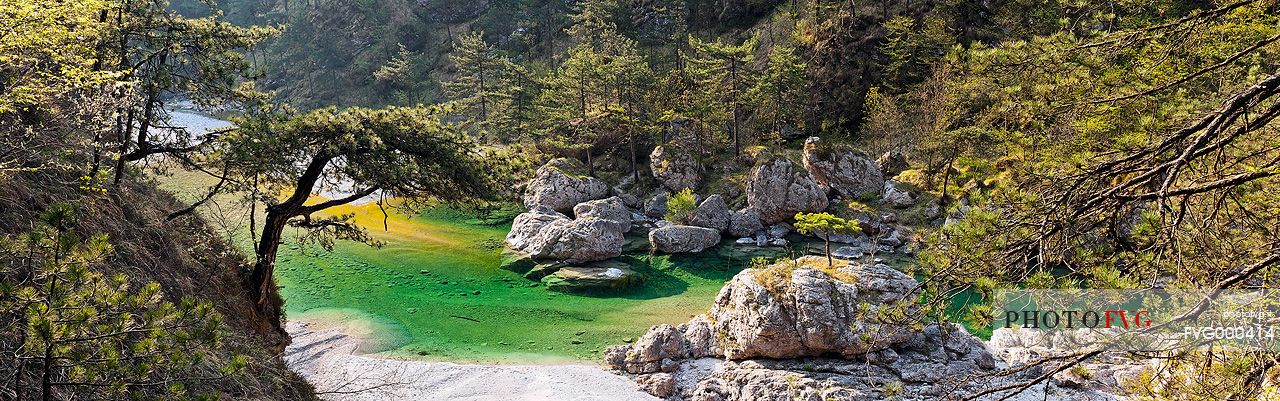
(268, 246)
(484, 107)
(46, 377)
(827, 247)
(126, 136)
(733, 71)
(260, 278)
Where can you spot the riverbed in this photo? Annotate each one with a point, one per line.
(433, 289)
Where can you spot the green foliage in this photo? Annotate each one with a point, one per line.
(825, 225)
(778, 94)
(74, 333)
(891, 390)
(912, 48)
(720, 75)
(486, 86)
(681, 206)
(1114, 158)
(406, 151)
(48, 51)
(398, 75)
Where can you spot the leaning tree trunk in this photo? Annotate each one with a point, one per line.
(260, 278)
(265, 261)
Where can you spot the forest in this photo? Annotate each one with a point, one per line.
(590, 173)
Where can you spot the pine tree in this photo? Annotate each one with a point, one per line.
(69, 332)
(398, 76)
(406, 152)
(778, 95)
(482, 85)
(576, 89)
(720, 71)
(593, 22)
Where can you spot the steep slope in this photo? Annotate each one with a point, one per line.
(183, 256)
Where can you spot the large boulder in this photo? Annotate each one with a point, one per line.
(559, 187)
(544, 234)
(656, 207)
(713, 213)
(850, 174)
(805, 331)
(810, 312)
(793, 309)
(745, 222)
(683, 239)
(779, 189)
(674, 168)
(526, 226)
(612, 209)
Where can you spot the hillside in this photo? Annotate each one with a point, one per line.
(183, 256)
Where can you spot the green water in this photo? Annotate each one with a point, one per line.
(441, 295)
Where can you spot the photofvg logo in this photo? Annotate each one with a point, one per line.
(1074, 319)
(1147, 320)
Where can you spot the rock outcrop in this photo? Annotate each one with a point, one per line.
(558, 187)
(779, 189)
(892, 163)
(850, 174)
(712, 213)
(745, 222)
(897, 197)
(801, 332)
(683, 239)
(544, 234)
(789, 310)
(675, 169)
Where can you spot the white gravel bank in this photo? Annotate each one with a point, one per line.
(327, 358)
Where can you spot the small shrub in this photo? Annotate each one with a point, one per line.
(774, 277)
(891, 389)
(680, 207)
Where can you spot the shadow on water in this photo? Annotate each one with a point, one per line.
(656, 282)
(668, 275)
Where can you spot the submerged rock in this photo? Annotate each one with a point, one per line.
(558, 187)
(596, 278)
(515, 260)
(779, 189)
(850, 174)
(683, 239)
